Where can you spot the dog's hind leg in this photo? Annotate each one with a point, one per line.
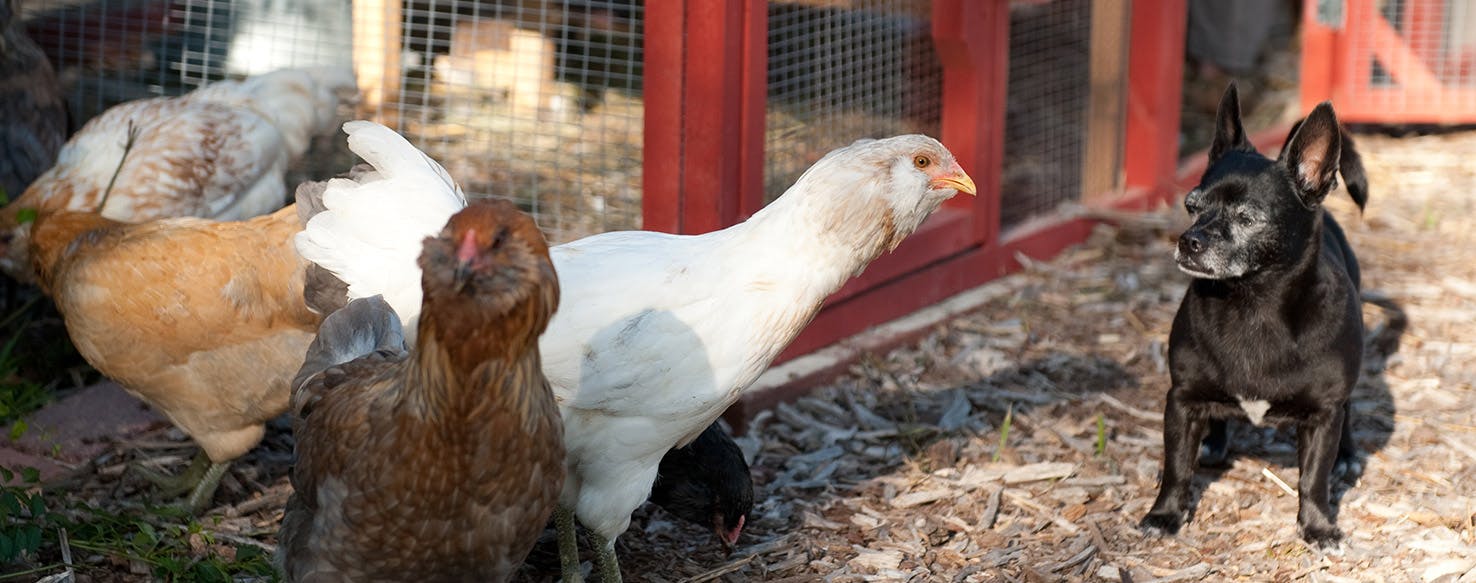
(1349, 466)
(1214, 451)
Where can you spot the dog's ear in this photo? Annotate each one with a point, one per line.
(1311, 154)
(1350, 165)
(1229, 133)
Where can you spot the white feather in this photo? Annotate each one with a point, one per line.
(372, 230)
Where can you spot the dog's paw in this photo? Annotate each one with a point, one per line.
(1322, 536)
(1161, 523)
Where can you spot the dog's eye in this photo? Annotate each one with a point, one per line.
(1245, 216)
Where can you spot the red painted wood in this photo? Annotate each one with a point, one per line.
(1424, 22)
(661, 178)
(1319, 75)
(754, 102)
(1155, 72)
(972, 39)
(712, 114)
(1418, 97)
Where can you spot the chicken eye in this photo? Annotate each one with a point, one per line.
(921, 162)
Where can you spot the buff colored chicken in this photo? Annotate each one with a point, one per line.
(442, 463)
(203, 320)
(219, 152)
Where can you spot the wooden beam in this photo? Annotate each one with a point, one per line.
(704, 92)
(1101, 173)
(377, 54)
(972, 39)
(1155, 84)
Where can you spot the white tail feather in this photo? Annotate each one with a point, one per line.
(373, 228)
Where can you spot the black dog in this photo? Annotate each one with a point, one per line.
(1271, 328)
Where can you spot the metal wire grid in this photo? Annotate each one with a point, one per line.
(1045, 116)
(120, 50)
(533, 101)
(1441, 35)
(841, 71)
(536, 101)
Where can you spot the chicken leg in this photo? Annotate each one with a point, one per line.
(200, 480)
(609, 564)
(568, 544)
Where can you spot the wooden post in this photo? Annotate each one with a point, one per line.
(377, 53)
(1155, 82)
(973, 40)
(704, 98)
(1102, 166)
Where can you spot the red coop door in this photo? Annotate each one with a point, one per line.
(1392, 61)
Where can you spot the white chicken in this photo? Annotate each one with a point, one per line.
(219, 152)
(656, 334)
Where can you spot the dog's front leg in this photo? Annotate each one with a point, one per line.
(1317, 450)
(1182, 430)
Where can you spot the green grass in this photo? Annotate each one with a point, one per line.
(36, 356)
(1101, 435)
(169, 546)
(18, 395)
(1004, 431)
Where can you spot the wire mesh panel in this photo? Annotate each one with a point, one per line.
(534, 101)
(1410, 60)
(1045, 115)
(844, 70)
(537, 101)
(111, 51)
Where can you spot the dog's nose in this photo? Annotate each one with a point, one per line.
(1191, 242)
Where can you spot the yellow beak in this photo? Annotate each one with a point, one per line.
(960, 182)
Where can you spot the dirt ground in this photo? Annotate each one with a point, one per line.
(903, 470)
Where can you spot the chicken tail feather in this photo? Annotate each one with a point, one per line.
(367, 230)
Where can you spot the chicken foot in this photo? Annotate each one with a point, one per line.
(568, 544)
(200, 480)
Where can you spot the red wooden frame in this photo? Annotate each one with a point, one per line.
(705, 98)
(1337, 65)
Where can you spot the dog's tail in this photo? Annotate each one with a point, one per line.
(1383, 340)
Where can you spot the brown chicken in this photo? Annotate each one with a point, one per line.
(203, 320)
(442, 463)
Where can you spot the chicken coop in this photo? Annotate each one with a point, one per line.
(689, 115)
(1391, 61)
